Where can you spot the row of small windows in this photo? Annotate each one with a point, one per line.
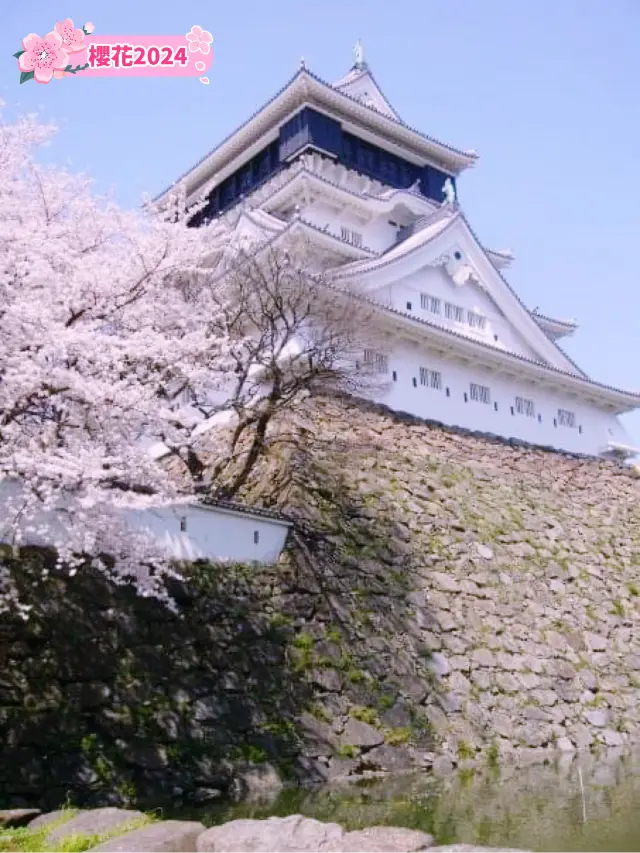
(476, 394)
(452, 312)
(352, 237)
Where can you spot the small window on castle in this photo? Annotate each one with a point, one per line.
(430, 303)
(256, 537)
(408, 306)
(447, 391)
(431, 378)
(539, 419)
(454, 312)
(479, 393)
(395, 376)
(415, 382)
(525, 407)
(580, 430)
(566, 418)
(476, 321)
(183, 524)
(376, 361)
(495, 407)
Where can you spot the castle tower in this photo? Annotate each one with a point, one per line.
(337, 164)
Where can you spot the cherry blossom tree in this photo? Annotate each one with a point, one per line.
(94, 330)
(290, 332)
(108, 319)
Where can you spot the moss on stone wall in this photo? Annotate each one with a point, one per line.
(443, 597)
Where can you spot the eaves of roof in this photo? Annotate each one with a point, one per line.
(546, 368)
(567, 324)
(467, 156)
(631, 397)
(232, 506)
(459, 214)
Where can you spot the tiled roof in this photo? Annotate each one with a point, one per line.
(569, 324)
(397, 121)
(232, 506)
(324, 83)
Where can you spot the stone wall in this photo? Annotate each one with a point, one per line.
(523, 571)
(446, 599)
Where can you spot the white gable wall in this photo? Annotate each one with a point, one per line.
(434, 281)
(377, 234)
(365, 90)
(598, 426)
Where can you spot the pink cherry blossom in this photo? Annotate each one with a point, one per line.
(100, 297)
(43, 56)
(199, 40)
(88, 27)
(73, 39)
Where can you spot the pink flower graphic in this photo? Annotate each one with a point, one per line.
(88, 27)
(43, 56)
(73, 39)
(199, 40)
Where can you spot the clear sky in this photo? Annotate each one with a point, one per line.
(547, 92)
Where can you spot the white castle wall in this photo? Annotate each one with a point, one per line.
(597, 427)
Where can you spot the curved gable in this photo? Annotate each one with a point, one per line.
(447, 242)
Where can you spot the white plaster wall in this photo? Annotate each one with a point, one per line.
(214, 534)
(436, 282)
(377, 234)
(598, 426)
(211, 533)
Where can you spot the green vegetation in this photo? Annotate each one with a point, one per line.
(320, 713)
(365, 715)
(348, 751)
(617, 608)
(492, 755)
(279, 620)
(304, 641)
(395, 737)
(386, 701)
(465, 751)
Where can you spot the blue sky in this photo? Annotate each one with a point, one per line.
(547, 92)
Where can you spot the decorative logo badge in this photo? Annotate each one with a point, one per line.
(67, 51)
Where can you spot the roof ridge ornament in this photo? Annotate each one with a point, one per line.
(358, 53)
